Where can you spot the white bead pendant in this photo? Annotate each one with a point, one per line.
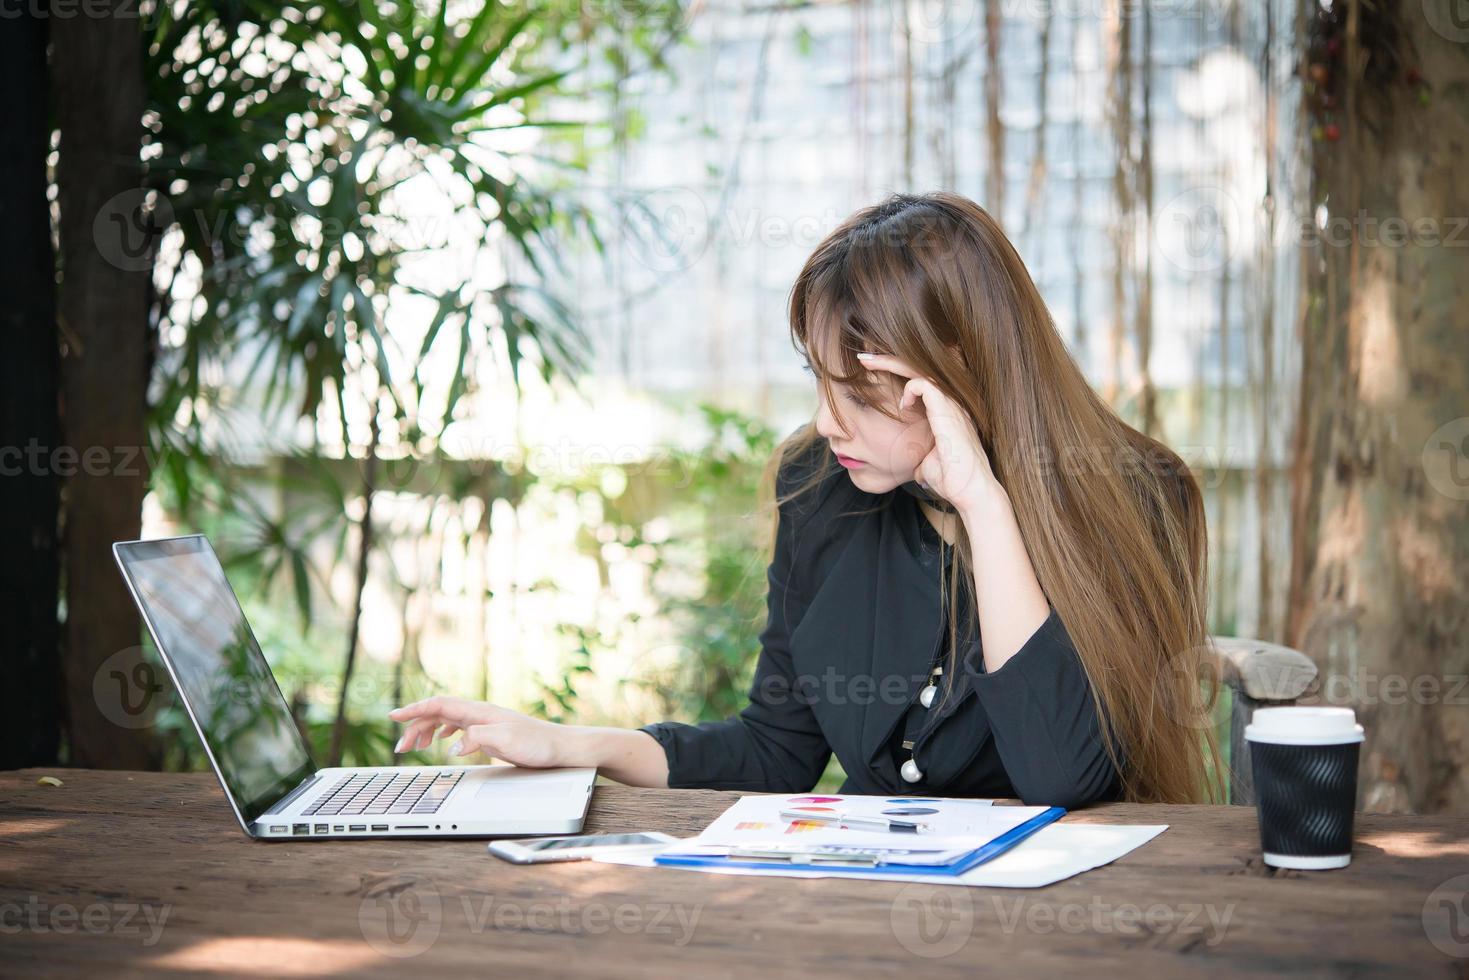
(926, 696)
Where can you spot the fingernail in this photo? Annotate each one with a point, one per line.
(398, 747)
(460, 748)
(863, 355)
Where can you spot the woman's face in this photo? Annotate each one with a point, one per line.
(878, 452)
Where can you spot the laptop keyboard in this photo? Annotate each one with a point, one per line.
(386, 793)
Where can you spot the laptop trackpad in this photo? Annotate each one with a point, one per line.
(504, 782)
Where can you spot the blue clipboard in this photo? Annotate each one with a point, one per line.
(960, 865)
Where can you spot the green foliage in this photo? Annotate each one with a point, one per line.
(720, 627)
(710, 496)
(295, 144)
(303, 156)
(558, 700)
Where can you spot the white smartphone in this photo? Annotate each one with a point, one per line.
(538, 850)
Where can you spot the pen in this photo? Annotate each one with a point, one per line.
(851, 822)
(800, 857)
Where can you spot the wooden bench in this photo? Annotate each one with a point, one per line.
(1257, 674)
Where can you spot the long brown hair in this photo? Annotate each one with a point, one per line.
(1112, 519)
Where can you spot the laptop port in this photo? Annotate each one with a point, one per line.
(321, 828)
(358, 827)
(300, 829)
(336, 828)
(405, 826)
(379, 827)
(279, 829)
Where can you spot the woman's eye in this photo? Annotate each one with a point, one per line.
(856, 401)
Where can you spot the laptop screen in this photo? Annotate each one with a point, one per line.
(218, 669)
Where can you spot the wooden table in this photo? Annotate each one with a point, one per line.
(127, 873)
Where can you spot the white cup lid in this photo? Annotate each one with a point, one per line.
(1304, 726)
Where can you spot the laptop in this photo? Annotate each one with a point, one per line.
(260, 756)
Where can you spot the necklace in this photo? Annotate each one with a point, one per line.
(909, 770)
(926, 696)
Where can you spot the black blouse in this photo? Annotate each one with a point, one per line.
(854, 626)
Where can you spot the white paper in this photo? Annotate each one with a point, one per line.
(1054, 853)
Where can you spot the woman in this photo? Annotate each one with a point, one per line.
(961, 480)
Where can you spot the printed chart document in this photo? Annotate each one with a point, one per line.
(807, 820)
(842, 834)
(771, 826)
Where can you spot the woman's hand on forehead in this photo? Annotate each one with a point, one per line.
(957, 468)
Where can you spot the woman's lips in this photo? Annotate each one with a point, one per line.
(849, 462)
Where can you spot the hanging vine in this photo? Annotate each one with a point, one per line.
(1119, 117)
(1147, 394)
(994, 128)
(1034, 203)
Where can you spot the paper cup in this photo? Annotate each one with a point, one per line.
(1305, 771)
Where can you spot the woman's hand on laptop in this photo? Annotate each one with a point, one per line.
(626, 755)
(497, 732)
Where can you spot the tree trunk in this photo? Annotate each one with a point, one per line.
(106, 256)
(30, 698)
(1381, 483)
(364, 553)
